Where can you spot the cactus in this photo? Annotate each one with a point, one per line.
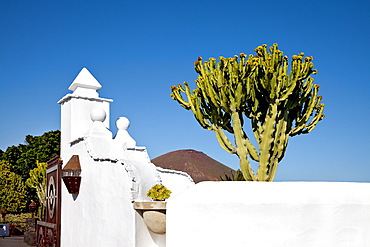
(259, 87)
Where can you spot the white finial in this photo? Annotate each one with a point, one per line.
(122, 123)
(85, 84)
(98, 128)
(98, 114)
(123, 138)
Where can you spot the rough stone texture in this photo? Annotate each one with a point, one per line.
(30, 238)
(31, 224)
(155, 221)
(30, 233)
(154, 215)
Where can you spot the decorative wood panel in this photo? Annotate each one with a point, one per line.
(48, 231)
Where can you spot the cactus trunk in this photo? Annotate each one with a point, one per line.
(241, 149)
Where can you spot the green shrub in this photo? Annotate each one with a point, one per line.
(159, 192)
(16, 219)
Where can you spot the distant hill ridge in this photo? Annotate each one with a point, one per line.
(197, 164)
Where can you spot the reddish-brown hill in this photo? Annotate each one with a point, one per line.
(197, 164)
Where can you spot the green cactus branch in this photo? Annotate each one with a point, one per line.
(258, 87)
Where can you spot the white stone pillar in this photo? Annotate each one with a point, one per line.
(76, 109)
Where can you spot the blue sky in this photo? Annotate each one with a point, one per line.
(138, 49)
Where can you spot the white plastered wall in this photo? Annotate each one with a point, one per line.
(278, 214)
(101, 214)
(115, 172)
(75, 118)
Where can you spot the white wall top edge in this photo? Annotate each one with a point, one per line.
(278, 192)
(70, 96)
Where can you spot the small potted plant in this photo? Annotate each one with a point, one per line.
(154, 212)
(159, 192)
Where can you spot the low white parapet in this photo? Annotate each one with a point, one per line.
(286, 214)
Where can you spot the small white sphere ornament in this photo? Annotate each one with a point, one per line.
(98, 114)
(122, 123)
